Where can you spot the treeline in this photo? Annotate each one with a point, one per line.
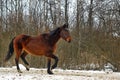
(94, 26)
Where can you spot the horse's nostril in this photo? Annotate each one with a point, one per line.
(69, 40)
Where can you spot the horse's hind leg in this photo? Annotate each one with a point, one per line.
(24, 60)
(18, 53)
(17, 64)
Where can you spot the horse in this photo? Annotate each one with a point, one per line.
(41, 45)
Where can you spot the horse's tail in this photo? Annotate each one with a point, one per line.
(10, 51)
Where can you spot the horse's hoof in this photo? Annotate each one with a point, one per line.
(50, 72)
(53, 67)
(19, 71)
(27, 69)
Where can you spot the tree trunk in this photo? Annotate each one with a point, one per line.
(90, 18)
(66, 11)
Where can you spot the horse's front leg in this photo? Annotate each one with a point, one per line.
(56, 62)
(49, 66)
(50, 55)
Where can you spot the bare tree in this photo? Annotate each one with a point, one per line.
(90, 15)
(66, 11)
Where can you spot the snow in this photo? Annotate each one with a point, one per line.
(59, 74)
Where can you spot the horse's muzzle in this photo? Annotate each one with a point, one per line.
(68, 40)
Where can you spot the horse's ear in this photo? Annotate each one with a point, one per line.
(65, 25)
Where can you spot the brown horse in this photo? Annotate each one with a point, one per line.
(42, 45)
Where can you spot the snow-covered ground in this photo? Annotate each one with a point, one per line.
(59, 74)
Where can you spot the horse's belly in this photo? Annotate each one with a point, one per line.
(35, 51)
(37, 48)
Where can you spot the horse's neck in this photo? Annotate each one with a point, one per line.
(54, 39)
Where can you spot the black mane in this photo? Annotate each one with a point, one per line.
(53, 32)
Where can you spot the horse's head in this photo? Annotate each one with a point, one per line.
(65, 33)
